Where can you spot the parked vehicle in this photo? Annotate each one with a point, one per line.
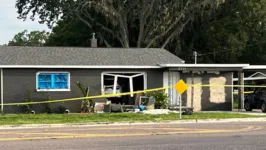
(256, 100)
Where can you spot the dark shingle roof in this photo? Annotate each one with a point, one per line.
(20, 55)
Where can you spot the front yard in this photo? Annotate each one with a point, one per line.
(15, 119)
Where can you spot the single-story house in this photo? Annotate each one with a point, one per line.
(54, 71)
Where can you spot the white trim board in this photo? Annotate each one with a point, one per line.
(252, 78)
(131, 66)
(79, 66)
(256, 74)
(254, 67)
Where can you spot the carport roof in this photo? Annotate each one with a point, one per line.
(255, 67)
(206, 65)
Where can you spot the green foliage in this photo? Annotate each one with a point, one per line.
(73, 32)
(34, 38)
(2, 112)
(161, 99)
(234, 33)
(87, 104)
(28, 99)
(223, 31)
(48, 106)
(61, 109)
(128, 22)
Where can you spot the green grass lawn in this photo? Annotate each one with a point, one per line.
(10, 119)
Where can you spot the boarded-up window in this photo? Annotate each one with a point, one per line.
(217, 91)
(196, 95)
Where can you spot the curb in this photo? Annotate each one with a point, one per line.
(214, 121)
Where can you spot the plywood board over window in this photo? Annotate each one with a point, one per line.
(196, 95)
(217, 93)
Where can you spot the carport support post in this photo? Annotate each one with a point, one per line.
(240, 91)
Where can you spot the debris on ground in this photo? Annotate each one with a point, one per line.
(156, 111)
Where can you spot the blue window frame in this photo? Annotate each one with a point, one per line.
(53, 81)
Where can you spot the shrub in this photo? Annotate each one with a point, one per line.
(161, 99)
(28, 99)
(48, 106)
(87, 104)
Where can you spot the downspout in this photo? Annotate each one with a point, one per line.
(2, 92)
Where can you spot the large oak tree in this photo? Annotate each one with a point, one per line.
(133, 23)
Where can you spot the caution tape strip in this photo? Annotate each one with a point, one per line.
(247, 92)
(218, 85)
(123, 94)
(89, 97)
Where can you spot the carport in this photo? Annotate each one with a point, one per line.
(206, 72)
(258, 74)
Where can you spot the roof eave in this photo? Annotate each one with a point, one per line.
(81, 67)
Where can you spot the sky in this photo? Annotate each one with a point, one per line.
(10, 25)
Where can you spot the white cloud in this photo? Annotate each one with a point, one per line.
(10, 25)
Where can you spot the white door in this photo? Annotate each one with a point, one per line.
(169, 80)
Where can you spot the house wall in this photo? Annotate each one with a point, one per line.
(210, 98)
(15, 86)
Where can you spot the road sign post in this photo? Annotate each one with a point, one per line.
(180, 87)
(180, 107)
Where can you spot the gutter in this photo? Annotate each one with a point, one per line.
(254, 67)
(206, 65)
(79, 67)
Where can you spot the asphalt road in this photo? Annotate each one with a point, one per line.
(230, 136)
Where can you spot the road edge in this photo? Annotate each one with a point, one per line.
(231, 120)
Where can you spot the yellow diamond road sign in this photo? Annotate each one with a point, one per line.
(181, 86)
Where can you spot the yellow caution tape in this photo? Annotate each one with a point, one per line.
(126, 93)
(247, 92)
(89, 97)
(218, 85)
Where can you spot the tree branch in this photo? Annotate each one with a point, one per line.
(163, 33)
(176, 31)
(105, 41)
(142, 20)
(170, 27)
(83, 20)
(123, 25)
(108, 9)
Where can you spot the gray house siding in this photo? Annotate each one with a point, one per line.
(209, 98)
(15, 86)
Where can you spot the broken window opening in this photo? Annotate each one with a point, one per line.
(115, 83)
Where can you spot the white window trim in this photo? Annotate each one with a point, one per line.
(130, 78)
(52, 90)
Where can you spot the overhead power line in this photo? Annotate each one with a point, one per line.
(231, 49)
